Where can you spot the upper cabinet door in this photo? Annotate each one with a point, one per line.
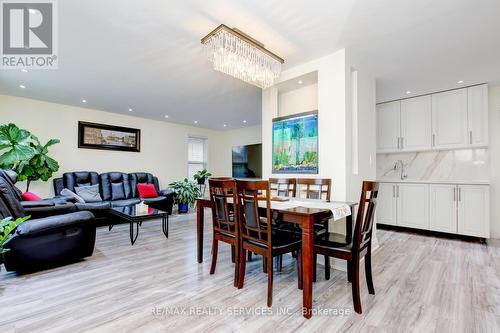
(388, 124)
(449, 119)
(477, 114)
(416, 123)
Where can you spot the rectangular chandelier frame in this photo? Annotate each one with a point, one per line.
(244, 37)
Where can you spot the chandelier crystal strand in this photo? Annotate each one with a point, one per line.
(234, 56)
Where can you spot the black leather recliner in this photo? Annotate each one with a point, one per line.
(117, 189)
(46, 241)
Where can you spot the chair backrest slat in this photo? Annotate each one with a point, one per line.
(283, 187)
(314, 188)
(364, 219)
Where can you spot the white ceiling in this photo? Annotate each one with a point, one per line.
(147, 55)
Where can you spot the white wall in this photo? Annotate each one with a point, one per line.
(163, 144)
(298, 100)
(494, 147)
(331, 92)
(239, 137)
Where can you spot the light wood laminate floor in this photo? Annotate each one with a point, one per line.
(422, 284)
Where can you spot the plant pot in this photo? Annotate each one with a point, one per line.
(201, 181)
(183, 207)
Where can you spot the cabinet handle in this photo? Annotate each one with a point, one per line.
(470, 137)
(433, 140)
(397, 191)
(459, 194)
(454, 194)
(393, 191)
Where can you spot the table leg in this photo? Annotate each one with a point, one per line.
(199, 231)
(164, 225)
(132, 237)
(307, 264)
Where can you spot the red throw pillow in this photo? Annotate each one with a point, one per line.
(147, 190)
(28, 196)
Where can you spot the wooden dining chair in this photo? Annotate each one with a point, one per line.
(311, 188)
(258, 235)
(314, 188)
(222, 196)
(361, 245)
(283, 187)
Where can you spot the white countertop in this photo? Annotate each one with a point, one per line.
(446, 181)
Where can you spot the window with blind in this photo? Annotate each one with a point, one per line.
(197, 155)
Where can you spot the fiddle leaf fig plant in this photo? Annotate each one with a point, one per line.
(23, 153)
(13, 143)
(7, 226)
(40, 166)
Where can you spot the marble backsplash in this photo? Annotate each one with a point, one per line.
(458, 165)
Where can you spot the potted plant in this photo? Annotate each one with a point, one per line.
(7, 226)
(201, 176)
(186, 193)
(23, 153)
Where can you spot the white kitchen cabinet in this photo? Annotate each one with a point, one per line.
(449, 119)
(416, 125)
(450, 208)
(477, 115)
(388, 127)
(386, 204)
(443, 207)
(413, 205)
(473, 211)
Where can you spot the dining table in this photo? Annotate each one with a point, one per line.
(303, 212)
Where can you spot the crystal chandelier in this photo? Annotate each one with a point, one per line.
(237, 54)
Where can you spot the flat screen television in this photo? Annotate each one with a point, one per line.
(247, 161)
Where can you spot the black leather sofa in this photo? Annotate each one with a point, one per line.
(117, 189)
(54, 234)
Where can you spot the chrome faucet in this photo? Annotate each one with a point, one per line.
(402, 168)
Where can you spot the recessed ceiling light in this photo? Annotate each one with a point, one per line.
(300, 82)
(244, 121)
(166, 116)
(22, 86)
(32, 11)
(408, 92)
(84, 101)
(461, 81)
(225, 125)
(196, 121)
(130, 110)
(24, 70)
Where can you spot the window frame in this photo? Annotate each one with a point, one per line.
(204, 163)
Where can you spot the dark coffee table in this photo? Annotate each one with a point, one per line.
(133, 216)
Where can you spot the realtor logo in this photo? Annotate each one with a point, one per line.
(29, 38)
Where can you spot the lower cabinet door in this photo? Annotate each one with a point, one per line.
(413, 205)
(386, 204)
(443, 208)
(473, 211)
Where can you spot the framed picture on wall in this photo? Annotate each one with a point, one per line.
(108, 137)
(295, 143)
